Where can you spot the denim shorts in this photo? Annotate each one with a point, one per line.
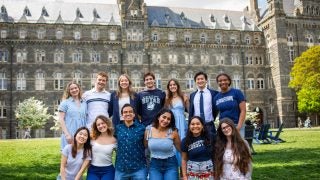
(164, 169)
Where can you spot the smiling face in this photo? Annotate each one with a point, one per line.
(164, 120)
(74, 90)
(196, 127)
(124, 82)
(226, 129)
(201, 81)
(101, 83)
(173, 87)
(101, 126)
(128, 114)
(223, 82)
(149, 82)
(82, 136)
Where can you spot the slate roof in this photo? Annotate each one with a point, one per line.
(198, 18)
(49, 11)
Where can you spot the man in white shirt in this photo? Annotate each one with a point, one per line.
(98, 99)
(206, 110)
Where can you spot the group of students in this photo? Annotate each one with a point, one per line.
(150, 134)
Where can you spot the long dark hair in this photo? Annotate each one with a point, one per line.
(87, 151)
(169, 97)
(172, 124)
(204, 134)
(241, 153)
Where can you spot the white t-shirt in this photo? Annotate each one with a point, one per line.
(102, 154)
(73, 164)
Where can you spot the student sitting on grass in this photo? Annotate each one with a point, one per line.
(76, 157)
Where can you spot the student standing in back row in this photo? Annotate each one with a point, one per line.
(124, 95)
(98, 99)
(201, 102)
(150, 100)
(230, 102)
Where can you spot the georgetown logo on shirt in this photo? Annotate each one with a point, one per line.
(151, 101)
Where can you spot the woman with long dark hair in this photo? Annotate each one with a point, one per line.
(197, 151)
(76, 157)
(232, 155)
(162, 138)
(177, 102)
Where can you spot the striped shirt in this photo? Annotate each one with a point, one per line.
(97, 104)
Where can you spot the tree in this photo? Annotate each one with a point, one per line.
(31, 113)
(305, 80)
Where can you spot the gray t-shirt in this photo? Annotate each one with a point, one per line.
(73, 164)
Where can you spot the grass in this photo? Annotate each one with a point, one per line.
(297, 158)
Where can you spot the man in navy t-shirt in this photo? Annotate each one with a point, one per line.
(150, 100)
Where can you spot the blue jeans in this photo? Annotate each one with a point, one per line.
(163, 169)
(140, 174)
(100, 173)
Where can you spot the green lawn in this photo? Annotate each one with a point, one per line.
(297, 158)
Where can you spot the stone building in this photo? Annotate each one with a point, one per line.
(45, 44)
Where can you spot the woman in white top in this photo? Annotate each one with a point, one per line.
(232, 155)
(103, 145)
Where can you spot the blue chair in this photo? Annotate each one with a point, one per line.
(276, 137)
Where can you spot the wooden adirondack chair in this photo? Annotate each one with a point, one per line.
(276, 138)
(262, 135)
(249, 135)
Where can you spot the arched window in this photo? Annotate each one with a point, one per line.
(113, 81)
(189, 81)
(250, 82)
(21, 81)
(58, 81)
(158, 80)
(40, 81)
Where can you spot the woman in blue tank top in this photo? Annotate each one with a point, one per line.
(161, 137)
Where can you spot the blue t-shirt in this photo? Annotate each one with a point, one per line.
(228, 104)
(130, 152)
(149, 102)
(197, 150)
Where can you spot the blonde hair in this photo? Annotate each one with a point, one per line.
(67, 94)
(130, 90)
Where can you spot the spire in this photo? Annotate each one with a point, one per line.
(59, 19)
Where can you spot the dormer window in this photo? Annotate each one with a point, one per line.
(182, 16)
(212, 18)
(26, 11)
(226, 19)
(3, 10)
(95, 14)
(44, 12)
(78, 13)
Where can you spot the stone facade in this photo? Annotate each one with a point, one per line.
(40, 50)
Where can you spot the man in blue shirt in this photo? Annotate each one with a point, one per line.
(130, 160)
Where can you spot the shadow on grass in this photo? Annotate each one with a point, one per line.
(287, 164)
(32, 172)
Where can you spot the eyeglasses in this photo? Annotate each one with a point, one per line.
(225, 127)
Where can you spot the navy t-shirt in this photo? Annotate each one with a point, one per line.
(149, 102)
(228, 104)
(197, 149)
